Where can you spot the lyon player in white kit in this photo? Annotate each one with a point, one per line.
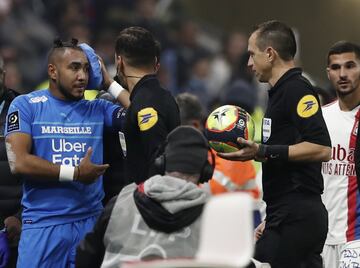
(341, 194)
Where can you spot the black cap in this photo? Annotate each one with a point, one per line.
(186, 150)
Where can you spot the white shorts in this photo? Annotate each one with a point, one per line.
(331, 255)
(350, 254)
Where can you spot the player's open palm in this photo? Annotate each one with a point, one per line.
(88, 172)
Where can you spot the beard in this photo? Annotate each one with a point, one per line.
(66, 92)
(345, 93)
(119, 77)
(121, 82)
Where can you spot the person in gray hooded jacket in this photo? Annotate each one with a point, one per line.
(157, 219)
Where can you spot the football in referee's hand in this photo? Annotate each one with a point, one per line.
(227, 123)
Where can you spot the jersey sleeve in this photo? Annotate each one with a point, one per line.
(305, 112)
(111, 112)
(19, 117)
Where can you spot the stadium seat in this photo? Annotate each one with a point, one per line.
(227, 230)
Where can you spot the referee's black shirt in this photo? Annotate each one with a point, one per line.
(293, 115)
(152, 114)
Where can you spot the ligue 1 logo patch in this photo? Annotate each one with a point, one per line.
(13, 121)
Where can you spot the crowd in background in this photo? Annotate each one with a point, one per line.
(195, 57)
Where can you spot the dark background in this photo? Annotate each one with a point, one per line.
(320, 23)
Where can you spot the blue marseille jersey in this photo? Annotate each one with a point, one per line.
(61, 131)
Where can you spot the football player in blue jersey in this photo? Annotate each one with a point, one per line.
(54, 140)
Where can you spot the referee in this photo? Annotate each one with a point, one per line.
(295, 141)
(153, 112)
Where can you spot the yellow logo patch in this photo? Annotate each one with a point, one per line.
(147, 118)
(307, 106)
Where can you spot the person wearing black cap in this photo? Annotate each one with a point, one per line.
(159, 218)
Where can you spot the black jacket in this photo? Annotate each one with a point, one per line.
(10, 185)
(153, 113)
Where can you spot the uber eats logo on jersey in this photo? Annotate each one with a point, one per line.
(307, 106)
(147, 118)
(62, 148)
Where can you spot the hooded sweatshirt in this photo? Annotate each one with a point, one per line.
(158, 219)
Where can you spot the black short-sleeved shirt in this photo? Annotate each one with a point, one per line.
(293, 115)
(10, 185)
(152, 114)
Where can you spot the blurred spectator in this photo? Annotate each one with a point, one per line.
(240, 93)
(28, 37)
(10, 185)
(71, 11)
(79, 29)
(226, 64)
(199, 72)
(13, 78)
(178, 59)
(104, 46)
(145, 16)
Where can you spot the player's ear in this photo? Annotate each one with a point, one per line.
(270, 54)
(328, 72)
(52, 71)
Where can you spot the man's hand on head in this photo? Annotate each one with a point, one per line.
(107, 80)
